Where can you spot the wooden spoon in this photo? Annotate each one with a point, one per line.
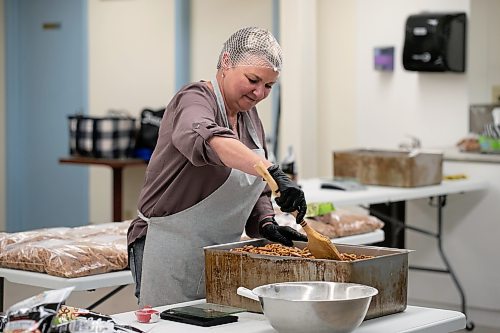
(319, 245)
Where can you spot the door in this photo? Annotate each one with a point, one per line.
(46, 61)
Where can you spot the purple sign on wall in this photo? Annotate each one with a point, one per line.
(384, 58)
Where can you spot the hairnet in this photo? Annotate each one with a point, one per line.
(252, 46)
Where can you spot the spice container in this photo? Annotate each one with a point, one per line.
(147, 315)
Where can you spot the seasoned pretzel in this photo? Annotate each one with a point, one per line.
(275, 249)
(352, 256)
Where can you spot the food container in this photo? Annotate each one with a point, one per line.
(387, 271)
(489, 145)
(3, 320)
(147, 315)
(389, 167)
(317, 307)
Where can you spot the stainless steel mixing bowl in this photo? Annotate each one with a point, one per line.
(314, 306)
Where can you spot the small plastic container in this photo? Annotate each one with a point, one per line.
(147, 315)
(489, 144)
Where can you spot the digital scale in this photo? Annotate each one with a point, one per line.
(206, 314)
(343, 184)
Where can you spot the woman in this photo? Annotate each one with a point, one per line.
(200, 186)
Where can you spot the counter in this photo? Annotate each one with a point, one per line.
(453, 154)
(414, 319)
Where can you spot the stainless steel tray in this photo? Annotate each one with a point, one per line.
(225, 271)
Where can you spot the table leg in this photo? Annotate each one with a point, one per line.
(117, 194)
(393, 215)
(2, 281)
(440, 204)
(106, 297)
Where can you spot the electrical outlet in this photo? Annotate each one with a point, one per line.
(495, 94)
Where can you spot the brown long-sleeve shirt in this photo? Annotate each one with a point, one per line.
(184, 169)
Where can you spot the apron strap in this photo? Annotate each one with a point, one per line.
(220, 101)
(251, 130)
(142, 217)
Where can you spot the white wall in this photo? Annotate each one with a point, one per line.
(431, 106)
(484, 50)
(131, 66)
(212, 22)
(2, 122)
(336, 82)
(298, 126)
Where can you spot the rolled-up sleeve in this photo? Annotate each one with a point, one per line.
(193, 126)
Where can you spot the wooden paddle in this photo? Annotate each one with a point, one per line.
(319, 245)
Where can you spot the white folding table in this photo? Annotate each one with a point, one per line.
(122, 278)
(118, 279)
(384, 194)
(413, 320)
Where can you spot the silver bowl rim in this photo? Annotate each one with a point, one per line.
(373, 291)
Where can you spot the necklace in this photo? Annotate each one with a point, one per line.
(233, 121)
(234, 125)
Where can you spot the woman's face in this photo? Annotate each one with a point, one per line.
(245, 86)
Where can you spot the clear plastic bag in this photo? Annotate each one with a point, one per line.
(342, 223)
(339, 223)
(68, 252)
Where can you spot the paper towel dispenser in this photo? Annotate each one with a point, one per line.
(435, 42)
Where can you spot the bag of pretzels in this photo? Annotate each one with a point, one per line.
(35, 314)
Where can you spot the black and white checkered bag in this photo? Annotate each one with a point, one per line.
(110, 136)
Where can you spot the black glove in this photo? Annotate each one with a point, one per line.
(269, 229)
(291, 196)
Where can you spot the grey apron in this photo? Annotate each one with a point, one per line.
(173, 262)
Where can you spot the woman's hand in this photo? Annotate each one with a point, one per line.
(285, 235)
(291, 196)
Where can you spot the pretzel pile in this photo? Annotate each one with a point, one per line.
(275, 249)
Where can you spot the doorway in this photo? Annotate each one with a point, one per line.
(46, 69)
